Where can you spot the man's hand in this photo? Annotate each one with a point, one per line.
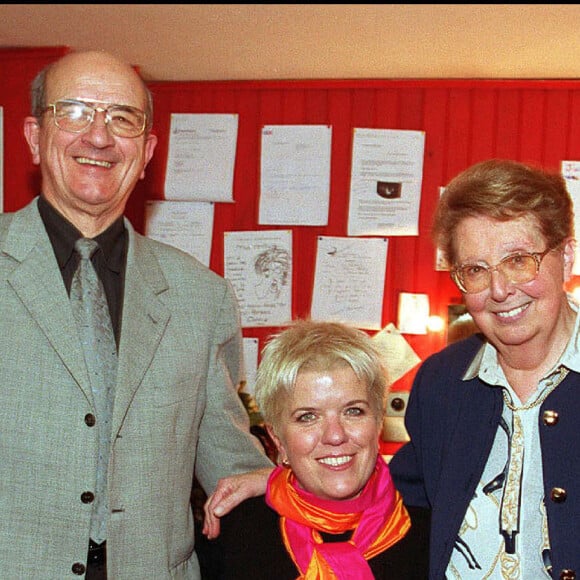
(230, 492)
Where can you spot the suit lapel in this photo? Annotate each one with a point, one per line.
(145, 318)
(38, 283)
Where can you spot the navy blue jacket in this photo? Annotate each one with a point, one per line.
(452, 425)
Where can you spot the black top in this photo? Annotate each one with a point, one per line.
(109, 261)
(250, 547)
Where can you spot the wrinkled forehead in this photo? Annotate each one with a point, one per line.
(95, 77)
(473, 234)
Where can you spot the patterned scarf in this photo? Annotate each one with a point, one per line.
(377, 516)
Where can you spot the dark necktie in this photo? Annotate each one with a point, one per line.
(91, 312)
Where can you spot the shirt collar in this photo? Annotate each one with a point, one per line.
(63, 235)
(486, 366)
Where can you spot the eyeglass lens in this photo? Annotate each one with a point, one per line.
(76, 116)
(518, 269)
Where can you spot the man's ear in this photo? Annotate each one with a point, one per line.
(150, 144)
(32, 135)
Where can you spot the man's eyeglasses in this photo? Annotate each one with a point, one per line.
(76, 116)
(516, 268)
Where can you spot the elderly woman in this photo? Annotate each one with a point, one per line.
(493, 419)
(331, 509)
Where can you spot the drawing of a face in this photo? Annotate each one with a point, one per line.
(272, 267)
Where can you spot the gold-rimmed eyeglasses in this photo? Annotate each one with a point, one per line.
(517, 268)
(76, 116)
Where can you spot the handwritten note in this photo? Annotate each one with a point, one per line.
(571, 173)
(201, 158)
(250, 346)
(187, 225)
(295, 175)
(349, 280)
(413, 313)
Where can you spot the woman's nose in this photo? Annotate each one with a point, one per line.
(334, 431)
(499, 284)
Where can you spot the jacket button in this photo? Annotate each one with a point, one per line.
(78, 569)
(567, 575)
(90, 420)
(87, 497)
(558, 495)
(550, 418)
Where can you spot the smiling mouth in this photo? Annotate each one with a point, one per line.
(87, 161)
(335, 461)
(512, 313)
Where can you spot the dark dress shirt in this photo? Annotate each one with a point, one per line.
(109, 262)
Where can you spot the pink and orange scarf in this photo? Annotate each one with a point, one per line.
(377, 516)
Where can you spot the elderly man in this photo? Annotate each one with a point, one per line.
(98, 449)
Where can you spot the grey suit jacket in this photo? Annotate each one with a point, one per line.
(176, 410)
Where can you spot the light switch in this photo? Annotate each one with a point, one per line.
(396, 403)
(394, 421)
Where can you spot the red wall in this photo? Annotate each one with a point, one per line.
(17, 69)
(464, 121)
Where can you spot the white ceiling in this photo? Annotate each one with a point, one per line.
(181, 42)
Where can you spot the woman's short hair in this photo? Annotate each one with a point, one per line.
(504, 190)
(316, 346)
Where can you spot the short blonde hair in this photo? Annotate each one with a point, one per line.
(314, 345)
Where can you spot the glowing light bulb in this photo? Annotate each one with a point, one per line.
(435, 324)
